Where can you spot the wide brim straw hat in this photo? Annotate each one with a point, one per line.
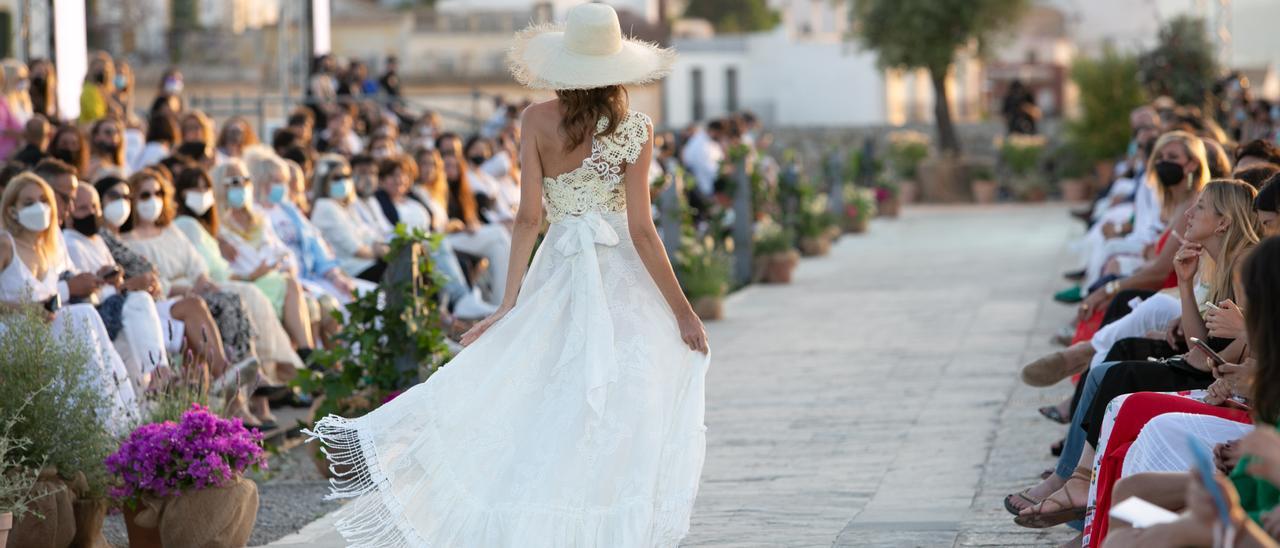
(586, 51)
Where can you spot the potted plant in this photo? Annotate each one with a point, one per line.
(186, 479)
(705, 272)
(391, 338)
(887, 198)
(775, 252)
(814, 223)
(17, 480)
(1072, 170)
(860, 206)
(907, 150)
(983, 185)
(1020, 155)
(67, 440)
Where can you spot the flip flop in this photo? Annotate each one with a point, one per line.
(1041, 519)
(1051, 412)
(1008, 501)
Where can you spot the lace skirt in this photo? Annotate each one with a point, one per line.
(576, 421)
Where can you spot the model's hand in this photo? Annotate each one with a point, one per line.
(483, 325)
(692, 332)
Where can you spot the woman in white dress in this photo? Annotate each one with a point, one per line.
(574, 417)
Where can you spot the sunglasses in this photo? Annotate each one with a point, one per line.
(236, 180)
(148, 194)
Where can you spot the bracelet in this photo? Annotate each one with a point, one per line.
(1112, 287)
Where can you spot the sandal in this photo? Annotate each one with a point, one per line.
(1051, 412)
(1008, 501)
(1040, 519)
(1045, 475)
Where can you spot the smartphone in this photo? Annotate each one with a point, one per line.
(1204, 466)
(1212, 306)
(52, 304)
(1213, 356)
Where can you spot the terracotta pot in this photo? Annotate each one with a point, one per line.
(140, 536)
(89, 514)
(984, 192)
(908, 191)
(890, 207)
(778, 267)
(811, 246)
(6, 523)
(1073, 190)
(856, 225)
(214, 516)
(709, 308)
(1035, 195)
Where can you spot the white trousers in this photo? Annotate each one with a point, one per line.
(1153, 314)
(1164, 445)
(493, 243)
(82, 324)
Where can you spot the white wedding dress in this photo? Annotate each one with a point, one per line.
(575, 421)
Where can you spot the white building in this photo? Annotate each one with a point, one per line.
(805, 72)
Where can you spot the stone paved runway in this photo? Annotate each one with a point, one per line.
(874, 401)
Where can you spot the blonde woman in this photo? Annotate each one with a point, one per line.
(16, 108)
(31, 261)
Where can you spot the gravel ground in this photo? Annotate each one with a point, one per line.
(290, 495)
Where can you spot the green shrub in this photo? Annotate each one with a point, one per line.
(771, 238)
(704, 270)
(63, 425)
(907, 149)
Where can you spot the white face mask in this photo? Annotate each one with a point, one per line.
(198, 202)
(116, 212)
(35, 217)
(149, 209)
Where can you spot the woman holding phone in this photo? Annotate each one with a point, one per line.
(1251, 485)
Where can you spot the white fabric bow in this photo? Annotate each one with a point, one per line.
(590, 327)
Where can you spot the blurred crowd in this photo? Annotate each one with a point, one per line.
(1171, 349)
(160, 235)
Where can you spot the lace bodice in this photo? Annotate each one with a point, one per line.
(596, 185)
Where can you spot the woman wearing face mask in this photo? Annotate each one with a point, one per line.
(260, 256)
(480, 169)
(106, 151)
(94, 96)
(31, 261)
(196, 127)
(15, 108)
(149, 232)
(67, 144)
(317, 267)
(171, 84)
(1178, 170)
(358, 247)
(43, 84)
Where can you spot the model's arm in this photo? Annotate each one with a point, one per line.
(652, 253)
(525, 229)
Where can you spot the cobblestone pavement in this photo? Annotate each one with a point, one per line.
(875, 400)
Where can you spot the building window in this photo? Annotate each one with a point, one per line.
(699, 109)
(731, 89)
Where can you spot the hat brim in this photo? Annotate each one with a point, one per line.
(539, 59)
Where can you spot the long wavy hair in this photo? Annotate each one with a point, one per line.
(46, 241)
(583, 108)
(1262, 321)
(1233, 200)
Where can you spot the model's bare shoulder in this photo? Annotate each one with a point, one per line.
(541, 116)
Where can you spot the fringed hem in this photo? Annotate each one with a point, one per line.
(353, 460)
(376, 517)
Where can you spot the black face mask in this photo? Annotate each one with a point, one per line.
(1170, 173)
(85, 225)
(64, 155)
(477, 159)
(100, 78)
